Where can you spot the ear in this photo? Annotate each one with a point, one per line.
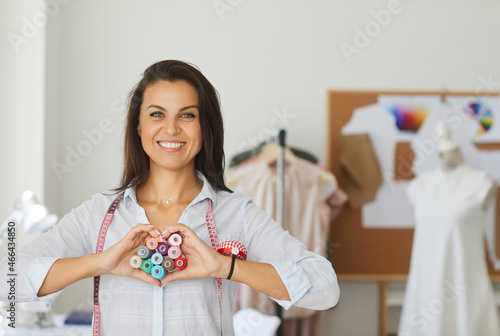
(139, 131)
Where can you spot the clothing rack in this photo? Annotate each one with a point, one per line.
(280, 202)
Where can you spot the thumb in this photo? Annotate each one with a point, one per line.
(173, 276)
(141, 275)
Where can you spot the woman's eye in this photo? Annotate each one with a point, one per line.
(156, 114)
(188, 115)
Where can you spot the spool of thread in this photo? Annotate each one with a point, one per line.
(174, 252)
(152, 243)
(156, 258)
(168, 264)
(136, 262)
(144, 253)
(162, 248)
(158, 272)
(175, 239)
(147, 265)
(180, 263)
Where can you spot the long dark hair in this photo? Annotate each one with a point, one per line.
(210, 160)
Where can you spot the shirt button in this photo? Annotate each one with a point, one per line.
(158, 312)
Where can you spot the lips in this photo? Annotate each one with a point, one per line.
(171, 144)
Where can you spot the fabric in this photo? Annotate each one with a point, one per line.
(185, 307)
(336, 202)
(449, 292)
(362, 175)
(306, 215)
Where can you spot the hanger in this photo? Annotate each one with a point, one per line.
(269, 154)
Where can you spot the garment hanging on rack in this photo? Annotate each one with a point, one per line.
(307, 217)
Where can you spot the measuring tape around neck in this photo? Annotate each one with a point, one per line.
(212, 235)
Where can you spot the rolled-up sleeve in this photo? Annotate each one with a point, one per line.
(309, 278)
(68, 238)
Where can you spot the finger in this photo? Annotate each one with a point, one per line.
(139, 229)
(172, 276)
(141, 275)
(176, 228)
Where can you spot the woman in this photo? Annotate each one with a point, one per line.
(173, 181)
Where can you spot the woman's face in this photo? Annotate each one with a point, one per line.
(169, 125)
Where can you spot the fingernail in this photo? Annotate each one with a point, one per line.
(158, 232)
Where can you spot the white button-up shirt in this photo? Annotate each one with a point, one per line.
(185, 307)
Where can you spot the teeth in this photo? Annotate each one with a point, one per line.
(171, 144)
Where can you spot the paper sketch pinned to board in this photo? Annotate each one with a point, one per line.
(391, 208)
(393, 119)
(483, 111)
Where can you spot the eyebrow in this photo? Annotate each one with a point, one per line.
(182, 109)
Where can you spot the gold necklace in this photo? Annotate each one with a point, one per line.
(167, 201)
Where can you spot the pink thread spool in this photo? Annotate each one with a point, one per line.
(175, 239)
(174, 252)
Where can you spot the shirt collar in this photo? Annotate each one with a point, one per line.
(206, 192)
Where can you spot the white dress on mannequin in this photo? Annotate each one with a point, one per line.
(448, 290)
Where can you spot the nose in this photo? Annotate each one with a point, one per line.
(171, 126)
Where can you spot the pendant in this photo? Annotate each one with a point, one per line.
(167, 201)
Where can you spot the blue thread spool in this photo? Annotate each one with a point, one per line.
(157, 258)
(158, 272)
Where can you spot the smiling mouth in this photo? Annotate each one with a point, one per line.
(171, 144)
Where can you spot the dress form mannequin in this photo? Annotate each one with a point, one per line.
(449, 292)
(451, 159)
(451, 156)
(448, 149)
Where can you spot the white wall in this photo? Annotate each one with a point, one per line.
(266, 58)
(263, 57)
(21, 105)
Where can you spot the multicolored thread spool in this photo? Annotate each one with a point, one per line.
(159, 258)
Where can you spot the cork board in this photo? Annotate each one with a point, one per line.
(381, 253)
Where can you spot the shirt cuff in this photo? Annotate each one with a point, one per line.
(295, 280)
(36, 275)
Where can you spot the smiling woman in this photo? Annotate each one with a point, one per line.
(200, 99)
(173, 180)
(169, 125)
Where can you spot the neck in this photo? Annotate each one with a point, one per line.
(451, 159)
(184, 185)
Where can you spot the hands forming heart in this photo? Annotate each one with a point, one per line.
(143, 248)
